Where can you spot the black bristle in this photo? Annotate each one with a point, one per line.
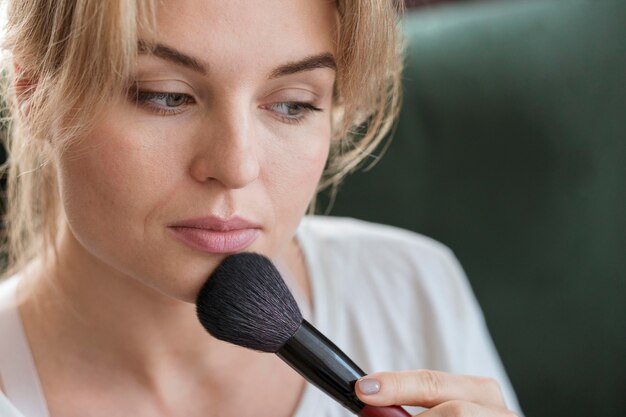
(246, 302)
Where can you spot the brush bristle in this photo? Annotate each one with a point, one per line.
(246, 302)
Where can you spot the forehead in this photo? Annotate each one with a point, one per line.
(239, 34)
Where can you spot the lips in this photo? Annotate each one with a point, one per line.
(215, 235)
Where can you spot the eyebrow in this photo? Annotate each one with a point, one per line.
(323, 60)
(170, 54)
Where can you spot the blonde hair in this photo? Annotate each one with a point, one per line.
(78, 54)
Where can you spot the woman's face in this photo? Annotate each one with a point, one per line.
(218, 148)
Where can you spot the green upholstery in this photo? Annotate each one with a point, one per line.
(511, 149)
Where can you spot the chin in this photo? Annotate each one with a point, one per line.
(181, 278)
(179, 285)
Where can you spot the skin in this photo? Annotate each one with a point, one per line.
(110, 321)
(445, 395)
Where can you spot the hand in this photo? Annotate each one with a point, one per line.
(445, 395)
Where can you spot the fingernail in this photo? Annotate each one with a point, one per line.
(369, 386)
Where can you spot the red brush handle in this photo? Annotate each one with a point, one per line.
(371, 411)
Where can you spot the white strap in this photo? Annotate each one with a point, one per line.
(7, 409)
(17, 368)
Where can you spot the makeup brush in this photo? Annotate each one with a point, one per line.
(246, 302)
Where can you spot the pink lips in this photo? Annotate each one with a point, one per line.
(215, 235)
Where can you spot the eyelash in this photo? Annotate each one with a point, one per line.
(143, 98)
(306, 107)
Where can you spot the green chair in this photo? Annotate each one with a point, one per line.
(511, 149)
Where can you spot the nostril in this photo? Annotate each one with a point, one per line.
(234, 168)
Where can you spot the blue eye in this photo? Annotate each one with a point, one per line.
(293, 111)
(162, 102)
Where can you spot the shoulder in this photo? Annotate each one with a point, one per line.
(9, 316)
(407, 289)
(365, 262)
(7, 409)
(351, 234)
(375, 250)
(8, 288)
(7, 304)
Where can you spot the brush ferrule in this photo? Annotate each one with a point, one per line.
(323, 364)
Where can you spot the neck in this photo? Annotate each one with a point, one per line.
(92, 314)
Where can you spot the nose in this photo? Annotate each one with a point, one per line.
(227, 151)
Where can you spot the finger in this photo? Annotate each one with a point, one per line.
(465, 409)
(427, 389)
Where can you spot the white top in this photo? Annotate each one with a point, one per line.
(389, 298)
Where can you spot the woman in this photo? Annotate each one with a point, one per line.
(151, 139)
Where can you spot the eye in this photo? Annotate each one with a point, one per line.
(175, 99)
(293, 111)
(162, 102)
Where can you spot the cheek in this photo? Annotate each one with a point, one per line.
(107, 183)
(297, 169)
